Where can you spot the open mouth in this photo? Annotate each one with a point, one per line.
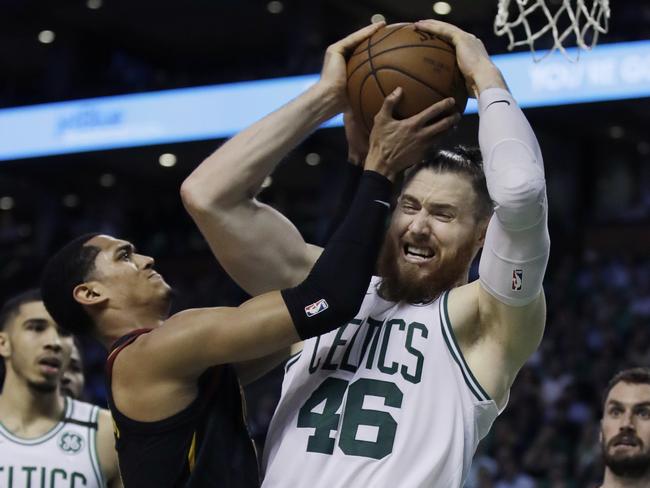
(50, 365)
(417, 254)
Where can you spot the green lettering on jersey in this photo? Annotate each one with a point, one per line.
(28, 471)
(82, 480)
(313, 367)
(356, 415)
(337, 343)
(53, 474)
(374, 329)
(346, 355)
(392, 369)
(424, 332)
(331, 393)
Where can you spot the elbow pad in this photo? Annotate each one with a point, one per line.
(512, 161)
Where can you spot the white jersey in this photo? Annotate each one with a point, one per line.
(384, 401)
(64, 457)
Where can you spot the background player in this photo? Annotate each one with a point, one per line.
(72, 380)
(625, 430)
(417, 382)
(47, 439)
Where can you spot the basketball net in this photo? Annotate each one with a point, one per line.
(574, 19)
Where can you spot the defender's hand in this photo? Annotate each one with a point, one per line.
(473, 60)
(333, 77)
(397, 144)
(357, 138)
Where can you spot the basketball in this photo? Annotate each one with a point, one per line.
(423, 64)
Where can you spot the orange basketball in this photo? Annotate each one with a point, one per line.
(423, 64)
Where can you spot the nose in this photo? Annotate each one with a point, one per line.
(53, 342)
(628, 422)
(419, 225)
(147, 262)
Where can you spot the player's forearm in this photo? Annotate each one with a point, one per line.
(488, 76)
(336, 286)
(237, 169)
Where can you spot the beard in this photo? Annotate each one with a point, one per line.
(410, 284)
(632, 466)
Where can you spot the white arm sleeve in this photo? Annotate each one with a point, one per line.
(517, 244)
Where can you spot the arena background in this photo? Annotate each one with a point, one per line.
(597, 160)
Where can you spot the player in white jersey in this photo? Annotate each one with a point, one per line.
(47, 440)
(402, 395)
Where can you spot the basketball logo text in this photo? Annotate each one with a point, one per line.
(517, 279)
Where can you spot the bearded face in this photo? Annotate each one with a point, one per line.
(432, 239)
(626, 431)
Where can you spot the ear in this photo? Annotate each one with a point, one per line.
(90, 294)
(481, 231)
(5, 345)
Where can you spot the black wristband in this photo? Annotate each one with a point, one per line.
(334, 290)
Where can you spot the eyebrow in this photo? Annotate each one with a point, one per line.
(125, 247)
(614, 403)
(35, 322)
(435, 206)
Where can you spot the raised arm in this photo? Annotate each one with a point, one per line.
(220, 193)
(507, 302)
(191, 341)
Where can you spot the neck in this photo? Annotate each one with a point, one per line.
(21, 404)
(613, 481)
(114, 323)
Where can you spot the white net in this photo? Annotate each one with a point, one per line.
(574, 21)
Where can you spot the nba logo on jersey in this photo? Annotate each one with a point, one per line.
(316, 308)
(517, 279)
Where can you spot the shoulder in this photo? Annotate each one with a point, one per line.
(462, 307)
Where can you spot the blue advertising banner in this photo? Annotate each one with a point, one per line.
(609, 72)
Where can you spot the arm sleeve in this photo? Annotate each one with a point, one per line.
(334, 289)
(517, 244)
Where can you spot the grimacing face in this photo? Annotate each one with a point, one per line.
(433, 236)
(33, 347)
(625, 430)
(127, 277)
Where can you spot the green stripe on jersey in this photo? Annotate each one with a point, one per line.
(452, 344)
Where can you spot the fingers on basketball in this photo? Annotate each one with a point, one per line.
(349, 43)
(436, 111)
(442, 125)
(388, 107)
(423, 65)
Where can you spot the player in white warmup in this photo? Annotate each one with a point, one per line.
(401, 395)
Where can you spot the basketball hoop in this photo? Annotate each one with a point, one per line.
(574, 21)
